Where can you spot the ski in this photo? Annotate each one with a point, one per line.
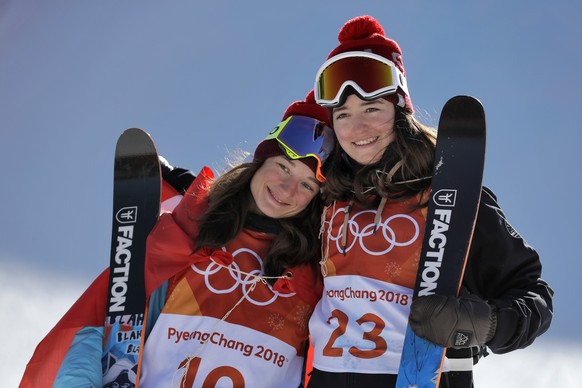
(136, 205)
(452, 211)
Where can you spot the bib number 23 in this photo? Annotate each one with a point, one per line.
(372, 321)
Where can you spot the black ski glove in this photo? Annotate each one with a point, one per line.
(179, 178)
(453, 322)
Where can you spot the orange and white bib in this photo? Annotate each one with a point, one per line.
(369, 270)
(222, 326)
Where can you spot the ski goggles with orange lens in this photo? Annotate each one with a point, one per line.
(371, 75)
(301, 136)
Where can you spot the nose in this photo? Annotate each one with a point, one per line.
(289, 187)
(358, 123)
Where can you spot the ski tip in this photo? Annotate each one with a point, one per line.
(135, 141)
(463, 107)
(464, 116)
(135, 131)
(465, 101)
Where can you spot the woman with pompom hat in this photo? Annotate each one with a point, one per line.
(378, 182)
(231, 276)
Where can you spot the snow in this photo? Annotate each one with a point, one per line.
(547, 363)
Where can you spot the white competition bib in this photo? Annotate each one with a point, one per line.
(192, 351)
(359, 325)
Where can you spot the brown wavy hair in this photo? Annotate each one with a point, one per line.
(229, 202)
(414, 145)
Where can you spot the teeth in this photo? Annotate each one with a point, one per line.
(276, 198)
(367, 141)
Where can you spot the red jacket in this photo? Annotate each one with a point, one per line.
(71, 353)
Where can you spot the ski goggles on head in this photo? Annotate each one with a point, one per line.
(371, 75)
(301, 136)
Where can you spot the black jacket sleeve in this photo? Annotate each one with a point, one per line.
(503, 269)
(179, 178)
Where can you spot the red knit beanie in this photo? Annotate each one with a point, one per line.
(364, 33)
(308, 108)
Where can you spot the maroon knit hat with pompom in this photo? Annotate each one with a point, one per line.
(364, 33)
(308, 108)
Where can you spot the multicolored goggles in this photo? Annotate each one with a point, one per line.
(371, 75)
(301, 136)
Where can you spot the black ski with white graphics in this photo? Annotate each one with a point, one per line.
(136, 206)
(452, 211)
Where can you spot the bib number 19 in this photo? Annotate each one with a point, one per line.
(213, 376)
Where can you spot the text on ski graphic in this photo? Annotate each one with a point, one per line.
(446, 198)
(120, 272)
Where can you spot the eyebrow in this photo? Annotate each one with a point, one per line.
(376, 101)
(363, 103)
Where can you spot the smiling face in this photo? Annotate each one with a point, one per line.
(364, 128)
(282, 187)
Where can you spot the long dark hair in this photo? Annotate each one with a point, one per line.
(413, 146)
(229, 202)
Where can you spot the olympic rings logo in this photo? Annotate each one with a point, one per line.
(246, 280)
(388, 233)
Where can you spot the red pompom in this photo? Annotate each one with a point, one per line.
(360, 27)
(308, 108)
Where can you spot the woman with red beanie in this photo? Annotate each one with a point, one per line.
(231, 277)
(378, 181)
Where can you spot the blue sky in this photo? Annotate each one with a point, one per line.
(208, 77)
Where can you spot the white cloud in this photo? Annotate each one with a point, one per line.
(31, 304)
